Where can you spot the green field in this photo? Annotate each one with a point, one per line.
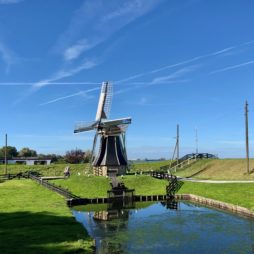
(36, 220)
(148, 166)
(214, 169)
(95, 186)
(83, 169)
(48, 170)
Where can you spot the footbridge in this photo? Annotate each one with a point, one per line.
(186, 160)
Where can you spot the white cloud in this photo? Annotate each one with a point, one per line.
(7, 55)
(75, 50)
(95, 21)
(10, 1)
(88, 64)
(64, 73)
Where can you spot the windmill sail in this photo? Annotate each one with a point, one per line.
(116, 122)
(105, 100)
(85, 126)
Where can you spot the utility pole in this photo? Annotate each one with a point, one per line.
(196, 140)
(247, 137)
(177, 143)
(5, 155)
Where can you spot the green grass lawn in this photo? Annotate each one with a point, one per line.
(95, 186)
(85, 186)
(36, 220)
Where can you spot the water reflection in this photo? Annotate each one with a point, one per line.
(166, 227)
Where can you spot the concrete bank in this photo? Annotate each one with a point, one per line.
(216, 204)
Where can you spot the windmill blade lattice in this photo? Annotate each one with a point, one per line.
(108, 99)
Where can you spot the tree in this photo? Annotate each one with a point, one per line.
(27, 152)
(55, 158)
(87, 156)
(74, 156)
(11, 152)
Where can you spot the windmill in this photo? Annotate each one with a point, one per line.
(111, 157)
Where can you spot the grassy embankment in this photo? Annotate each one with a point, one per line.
(220, 169)
(36, 220)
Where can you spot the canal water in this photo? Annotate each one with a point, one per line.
(166, 228)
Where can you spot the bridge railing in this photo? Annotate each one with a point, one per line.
(187, 160)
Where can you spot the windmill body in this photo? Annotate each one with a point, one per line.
(111, 157)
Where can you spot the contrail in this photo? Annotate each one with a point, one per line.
(50, 83)
(69, 96)
(215, 53)
(232, 67)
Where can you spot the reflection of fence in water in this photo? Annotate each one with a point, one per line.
(170, 204)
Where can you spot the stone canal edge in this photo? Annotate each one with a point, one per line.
(216, 204)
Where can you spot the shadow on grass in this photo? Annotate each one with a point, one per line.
(26, 232)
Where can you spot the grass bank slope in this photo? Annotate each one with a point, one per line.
(86, 186)
(95, 186)
(233, 193)
(218, 169)
(36, 220)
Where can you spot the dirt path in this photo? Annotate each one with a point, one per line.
(214, 181)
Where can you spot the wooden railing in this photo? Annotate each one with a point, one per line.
(51, 186)
(187, 160)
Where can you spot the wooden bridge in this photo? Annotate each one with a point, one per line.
(187, 160)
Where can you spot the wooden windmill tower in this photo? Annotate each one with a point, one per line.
(111, 157)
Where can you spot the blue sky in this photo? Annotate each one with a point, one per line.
(186, 62)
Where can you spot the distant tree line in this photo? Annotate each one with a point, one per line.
(73, 156)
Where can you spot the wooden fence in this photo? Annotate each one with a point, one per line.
(51, 186)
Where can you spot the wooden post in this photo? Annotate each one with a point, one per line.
(247, 138)
(177, 143)
(196, 141)
(5, 155)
